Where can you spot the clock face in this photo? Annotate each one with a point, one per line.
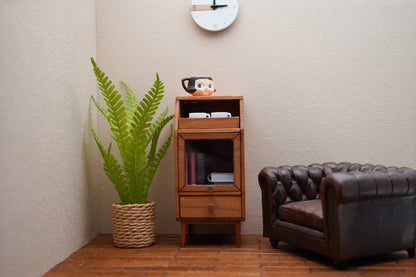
(214, 15)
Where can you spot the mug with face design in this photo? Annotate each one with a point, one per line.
(198, 86)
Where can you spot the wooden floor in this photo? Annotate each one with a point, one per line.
(219, 258)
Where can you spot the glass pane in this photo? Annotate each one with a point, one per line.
(209, 162)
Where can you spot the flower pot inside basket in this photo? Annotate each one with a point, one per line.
(133, 225)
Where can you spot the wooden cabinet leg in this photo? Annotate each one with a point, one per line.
(183, 233)
(237, 226)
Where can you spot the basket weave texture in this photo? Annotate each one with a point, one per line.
(134, 225)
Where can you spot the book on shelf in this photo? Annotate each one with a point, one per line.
(186, 168)
(195, 165)
(200, 168)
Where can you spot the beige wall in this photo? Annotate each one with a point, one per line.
(49, 181)
(322, 81)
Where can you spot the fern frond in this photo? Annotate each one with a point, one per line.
(114, 173)
(150, 102)
(134, 167)
(116, 114)
(140, 129)
(156, 125)
(101, 109)
(156, 129)
(112, 169)
(152, 158)
(155, 161)
(97, 140)
(131, 103)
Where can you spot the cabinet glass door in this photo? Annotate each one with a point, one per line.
(208, 162)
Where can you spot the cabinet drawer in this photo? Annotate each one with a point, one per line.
(210, 206)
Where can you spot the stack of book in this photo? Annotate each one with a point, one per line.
(196, 175)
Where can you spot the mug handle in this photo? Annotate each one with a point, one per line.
(229, 114)
(209, 177)
(183, 83)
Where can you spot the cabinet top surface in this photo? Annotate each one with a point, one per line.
(208, 98)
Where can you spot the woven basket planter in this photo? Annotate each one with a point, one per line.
(134, 225)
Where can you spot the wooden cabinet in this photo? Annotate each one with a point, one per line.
(209, 162)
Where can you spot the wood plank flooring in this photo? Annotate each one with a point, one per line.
(218, 256)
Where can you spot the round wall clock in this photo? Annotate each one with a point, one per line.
(214, 15)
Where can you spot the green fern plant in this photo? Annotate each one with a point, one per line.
(136, 136)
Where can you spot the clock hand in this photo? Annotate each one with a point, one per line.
(218, 6)
(206, 7)
(215, 6)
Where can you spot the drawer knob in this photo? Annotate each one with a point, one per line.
(210, 188)
(210, 207)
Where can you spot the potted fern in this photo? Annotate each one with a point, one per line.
(136, 135)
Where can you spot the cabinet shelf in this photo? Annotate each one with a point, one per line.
(208, 131)
(209, 123)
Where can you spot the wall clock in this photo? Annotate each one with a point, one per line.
(214, 15)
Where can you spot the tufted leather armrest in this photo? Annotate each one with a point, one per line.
(355, 204)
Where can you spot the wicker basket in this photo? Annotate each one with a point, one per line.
(134, 225)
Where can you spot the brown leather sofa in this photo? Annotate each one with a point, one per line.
(340, 210)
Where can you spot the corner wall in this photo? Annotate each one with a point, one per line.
(49, 199)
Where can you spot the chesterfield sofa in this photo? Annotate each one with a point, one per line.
(340, 210)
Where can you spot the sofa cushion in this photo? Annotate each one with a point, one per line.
(307, 213)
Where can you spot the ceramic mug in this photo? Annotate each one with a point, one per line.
(199, 115)
(198, 86)
(220, 114)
